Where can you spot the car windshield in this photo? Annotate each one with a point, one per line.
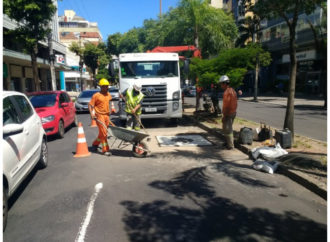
(88, 94)
(43, 100)
(149, 69)
(113, 89)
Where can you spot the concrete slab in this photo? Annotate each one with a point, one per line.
(182, 140)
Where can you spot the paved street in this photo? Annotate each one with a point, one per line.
(176, 194)
(310, 120)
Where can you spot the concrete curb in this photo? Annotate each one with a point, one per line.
(284, 170)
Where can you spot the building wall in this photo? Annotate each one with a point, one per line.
(19, 75)
(73, 28)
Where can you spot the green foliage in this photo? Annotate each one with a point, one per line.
(284, 8)
(113, 44)
(77, 49)
(233, 62)
(92, 54)
(102, 73)
(36, 16)
(215, 29)
(236, 76)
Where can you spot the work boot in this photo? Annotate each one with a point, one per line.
(94, 148)
(107, 153)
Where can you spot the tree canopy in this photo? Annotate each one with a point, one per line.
(191, 20)
(33, 17)
(233, 62)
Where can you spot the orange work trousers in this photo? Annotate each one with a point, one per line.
(102, 137)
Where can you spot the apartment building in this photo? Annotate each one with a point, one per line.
(73, 28)
(17, 68)
(274, 37)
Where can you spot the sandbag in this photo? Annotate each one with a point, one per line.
(268, 153)
(268, 167)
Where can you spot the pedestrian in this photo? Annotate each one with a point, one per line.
(100, 111)
(133, 98)
(229, 106)
(215, 99)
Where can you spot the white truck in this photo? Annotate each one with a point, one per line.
(159, 76)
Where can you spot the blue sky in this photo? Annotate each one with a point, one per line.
(116, 15)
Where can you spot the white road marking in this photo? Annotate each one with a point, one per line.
(83, 228)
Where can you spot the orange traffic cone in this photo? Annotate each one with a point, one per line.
(82, 148)
(113, 110)
(93, 124)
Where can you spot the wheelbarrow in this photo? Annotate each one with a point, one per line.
(136, 138)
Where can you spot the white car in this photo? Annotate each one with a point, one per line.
(24, 143)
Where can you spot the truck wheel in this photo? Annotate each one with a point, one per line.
(139, 149)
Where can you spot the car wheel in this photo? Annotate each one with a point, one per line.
(4, 208)
(43, 162)
(60, 133)
(75, 121)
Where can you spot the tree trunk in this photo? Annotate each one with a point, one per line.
(81, 66)
(35, 69)
(255, 98)
(198, 94)
(289, 115)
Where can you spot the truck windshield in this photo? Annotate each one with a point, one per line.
(149, 69)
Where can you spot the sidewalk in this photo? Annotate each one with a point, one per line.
(312, 178)
(317, 103)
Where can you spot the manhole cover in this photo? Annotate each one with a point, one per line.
(182, 140)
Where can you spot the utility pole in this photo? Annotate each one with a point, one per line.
(160, 8)
(51, 61)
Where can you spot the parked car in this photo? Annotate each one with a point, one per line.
(190, 91)
(55, 109)
(83, 99)
(24, 143)
(114, 91)
(86, 95)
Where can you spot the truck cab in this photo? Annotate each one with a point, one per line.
(159, 76)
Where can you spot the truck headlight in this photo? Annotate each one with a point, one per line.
(176, 95)
(175, 106)
(47, 119)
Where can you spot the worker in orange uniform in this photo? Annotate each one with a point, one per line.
(99, 110)
(229, 106)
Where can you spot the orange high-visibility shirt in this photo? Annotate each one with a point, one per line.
(229, 102)
(100, 103)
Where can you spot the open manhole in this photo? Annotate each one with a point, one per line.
(183, 140)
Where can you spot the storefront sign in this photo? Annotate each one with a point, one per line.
(60, 59)
(301, 56)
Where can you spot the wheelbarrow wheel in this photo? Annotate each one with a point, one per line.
(139, 149)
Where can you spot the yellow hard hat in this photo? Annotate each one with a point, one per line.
(104, 82)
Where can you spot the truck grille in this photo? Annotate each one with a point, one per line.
(155, 96)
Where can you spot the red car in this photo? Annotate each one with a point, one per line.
(55, 109)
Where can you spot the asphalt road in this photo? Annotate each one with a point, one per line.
(175, 194)
(308, 121)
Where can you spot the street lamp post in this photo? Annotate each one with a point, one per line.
(52, 61)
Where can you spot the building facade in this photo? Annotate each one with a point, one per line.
(273, 34)
(73, 28)
(17, 68)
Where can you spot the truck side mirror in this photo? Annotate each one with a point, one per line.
(111, 69)
(186, 66)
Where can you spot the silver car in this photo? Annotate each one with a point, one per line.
(83, 99)
(24, 143)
